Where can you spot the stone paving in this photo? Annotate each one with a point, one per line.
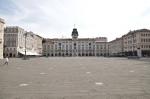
(75, 78)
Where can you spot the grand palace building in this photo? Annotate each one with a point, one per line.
(75, 46)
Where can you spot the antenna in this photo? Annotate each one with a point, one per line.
(74, 25)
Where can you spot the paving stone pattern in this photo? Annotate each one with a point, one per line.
(75, 78)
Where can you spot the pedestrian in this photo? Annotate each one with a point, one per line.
(6, 61)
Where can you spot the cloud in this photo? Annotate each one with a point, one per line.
(7, 7)
(54, 18)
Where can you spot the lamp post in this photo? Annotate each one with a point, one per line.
(25, 35)
(108, 50)
(133, 45)
(105, 49)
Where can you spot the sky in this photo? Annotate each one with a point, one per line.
(92, 18)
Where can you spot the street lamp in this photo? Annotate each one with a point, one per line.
(133, 45)
(105, 49)
(25, 35)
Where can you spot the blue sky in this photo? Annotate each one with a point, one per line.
(93, 18)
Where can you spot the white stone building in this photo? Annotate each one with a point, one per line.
(116, 47)
(75, 46)
(34, 43)
(14, 42)
(137, 43)
(2, 23)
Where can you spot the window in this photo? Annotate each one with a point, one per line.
(59, 44)
(48, 47)
(89, 44)
(141, 34)
(141, 40)
(44, 46)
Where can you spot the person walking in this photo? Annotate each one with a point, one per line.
(6, 61)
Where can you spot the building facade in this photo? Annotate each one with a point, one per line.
(17, 41)
(134, 43)
(137, 43)
(33, 44)
(75, 46)
(2, 22)
(13, 40)
(38, 44)
(116, 47)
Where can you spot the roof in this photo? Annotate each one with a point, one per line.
(69, 39)
(136, 31)
(143, 30)
(117, 39)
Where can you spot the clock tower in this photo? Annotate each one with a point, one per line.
(74, 33)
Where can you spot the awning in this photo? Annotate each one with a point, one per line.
(28, 52)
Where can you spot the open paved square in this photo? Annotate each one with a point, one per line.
(75, 78)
